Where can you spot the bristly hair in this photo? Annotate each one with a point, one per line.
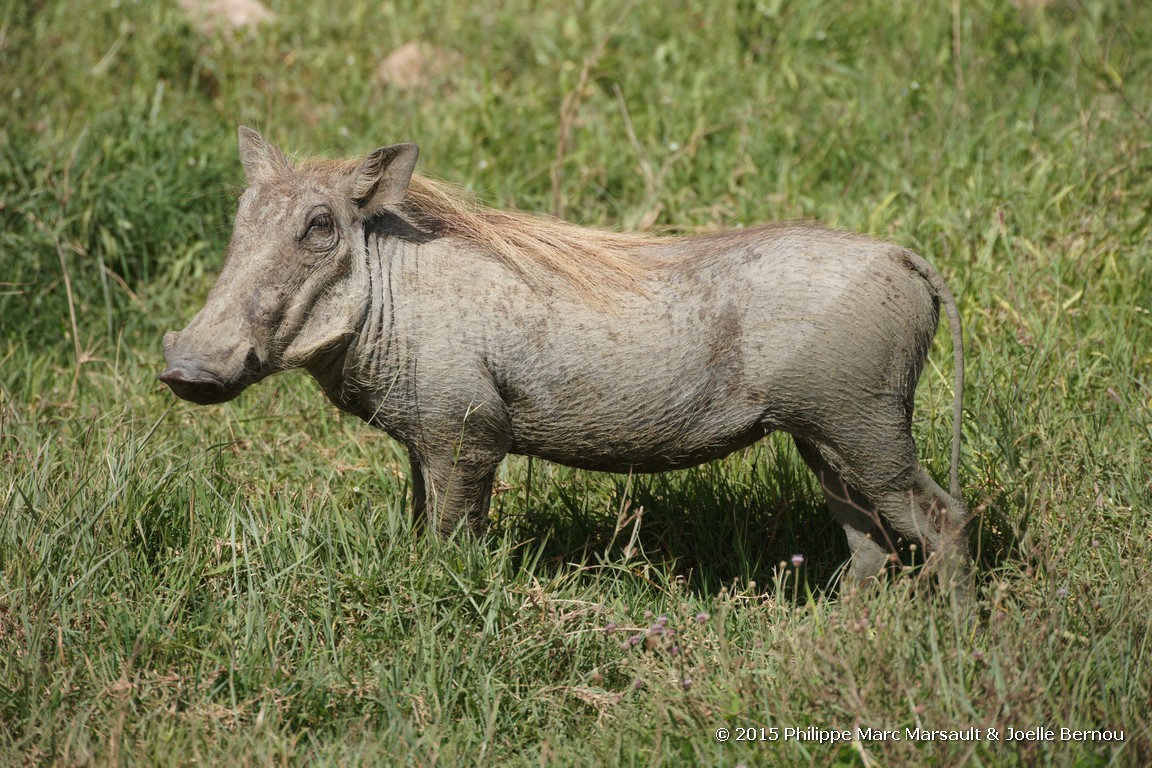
(594, 263)
(536, 246)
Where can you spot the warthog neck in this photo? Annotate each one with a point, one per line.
(351, 375)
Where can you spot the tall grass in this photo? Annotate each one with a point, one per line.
(242, 584)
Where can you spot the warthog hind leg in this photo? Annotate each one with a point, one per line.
(868, 540)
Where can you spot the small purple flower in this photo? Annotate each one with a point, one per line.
(637, 684)
(797, 560)
(674, 650)
(686, 683)
(635, 639)
(1062, 592)
(656, 629)
(701, 617)
(662, 620)
(610, 627)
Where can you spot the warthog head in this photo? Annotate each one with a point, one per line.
(294, 285)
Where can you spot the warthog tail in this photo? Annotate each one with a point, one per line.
(936, 282)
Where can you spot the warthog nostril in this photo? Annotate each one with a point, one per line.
(252, 363)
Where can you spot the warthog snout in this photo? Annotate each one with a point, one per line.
(207, 379)
(200, 387)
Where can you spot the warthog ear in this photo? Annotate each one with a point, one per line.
(260, 159)
(382, 179)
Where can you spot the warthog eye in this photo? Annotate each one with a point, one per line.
(320, 232)
(320, 226)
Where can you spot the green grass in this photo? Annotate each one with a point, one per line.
(242, 584)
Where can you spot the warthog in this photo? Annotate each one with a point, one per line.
(468, 333)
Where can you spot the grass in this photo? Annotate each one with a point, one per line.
(242, 585)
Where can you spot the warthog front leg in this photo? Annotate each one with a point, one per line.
(454, 452)
(448, 489)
